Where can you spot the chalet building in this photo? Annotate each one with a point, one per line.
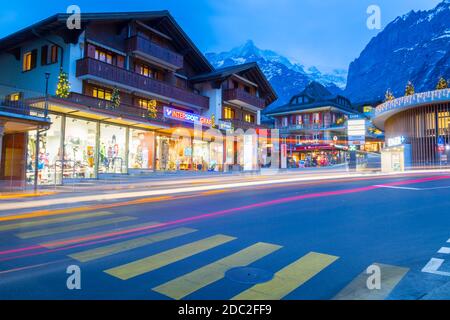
(136, 79)
(314, 126)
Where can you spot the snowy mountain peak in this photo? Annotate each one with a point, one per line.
(287, 76)
(414, 47)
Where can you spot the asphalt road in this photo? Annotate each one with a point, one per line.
(287, 241)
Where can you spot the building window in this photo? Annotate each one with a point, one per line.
(54, 54)
(284, 121)
(29, 60)
(228, 113)
(247, 89)
(101, 93)
(235, 84)
(104, 56)
(180, 82)
(15, 96)
(316, 118)
(298, 119)
(298, 140)
(249, 118)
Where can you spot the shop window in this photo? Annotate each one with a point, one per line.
(112, 149)
(50, 155)
(29, 60)
(141, 147)
(228, 113)
(249, 118)
(101, 93)
(79, 148)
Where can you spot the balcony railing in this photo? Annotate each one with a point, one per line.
(312, 127)
(149, 48)
(239, 124)
(242, 95)
(21, 107)
(99, 69)
(123, 110)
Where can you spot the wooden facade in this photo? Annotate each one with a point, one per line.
(418, 126)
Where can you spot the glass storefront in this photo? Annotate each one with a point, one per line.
(79, 148)
(111, 155)
(49, 152)
(173, 154)
(141, 146)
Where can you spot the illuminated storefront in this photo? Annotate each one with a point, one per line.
(417, 130)
(90, 148)
(79, 148)
(112, 150)
(49, 152)
(141, 149)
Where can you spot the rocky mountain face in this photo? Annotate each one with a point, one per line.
(287, 77)
(413, 47)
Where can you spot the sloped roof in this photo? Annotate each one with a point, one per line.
(57, 24)
(320, 97)
(249, 70)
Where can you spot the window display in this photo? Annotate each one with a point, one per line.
(141, 144)
(173, 154)
(112, 149)
(79, 148)
(49, 152)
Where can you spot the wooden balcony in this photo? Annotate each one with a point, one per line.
(243, 98)
(123, 110)
(89, 68)
(239, 124)
(154, 52)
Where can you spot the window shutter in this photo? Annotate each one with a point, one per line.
(44, 55)
(33, 58)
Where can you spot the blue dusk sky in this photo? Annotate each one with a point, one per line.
(326, 33)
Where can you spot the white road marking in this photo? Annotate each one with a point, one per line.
(433, 267)
(445, 250)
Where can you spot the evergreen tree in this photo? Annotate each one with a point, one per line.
(442, 84)
(152, 110)
(389, 96)
(409, 91)
(63, 86)
(115, 98)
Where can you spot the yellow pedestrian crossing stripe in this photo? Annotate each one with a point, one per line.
(390, 276)
(80, 238)
(136, 268)
(191, 282)
(28, 224)
(289, 278)
(81, 226)
(105, 251)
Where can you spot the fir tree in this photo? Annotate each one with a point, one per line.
(115, 98)
(389, 96)
(63, 86)
(409, 90)
(442, 84)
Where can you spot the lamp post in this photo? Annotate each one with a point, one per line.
(38, 133)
